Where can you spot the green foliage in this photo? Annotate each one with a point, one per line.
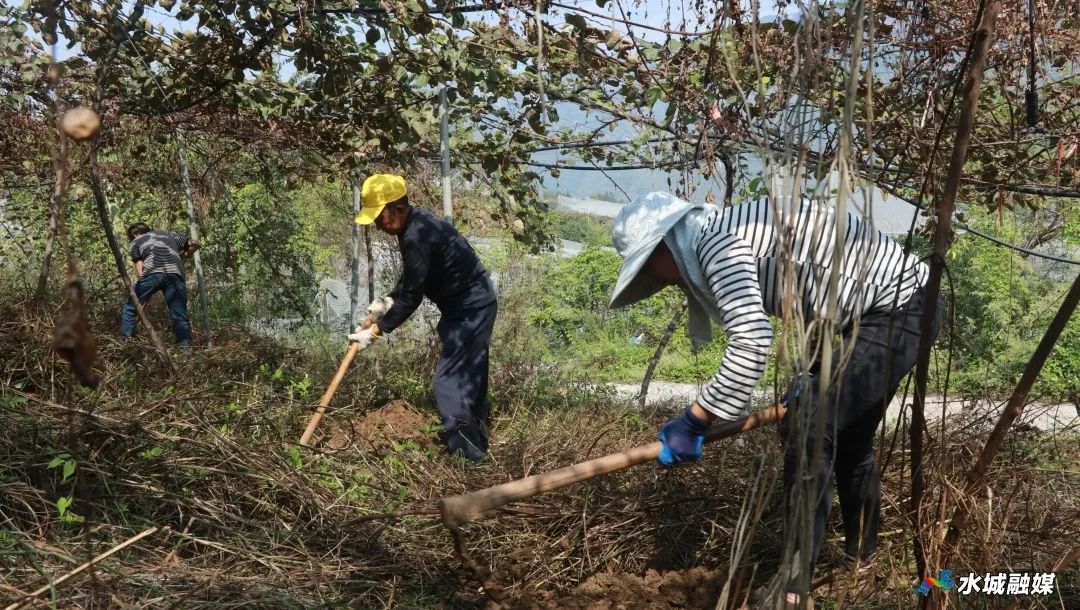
(293, 457)
(300, 388)
(1003, 304)
(63, 506)
(583, 333)
(10, 401)
(1070, 229)
(274, 239)
(66, 463)
(67, 466)
(1061, 373)
(153, 452)
(293, 384)
(582, 228)
(584, 282)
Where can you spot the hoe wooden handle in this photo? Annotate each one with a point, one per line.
(457, 510)
(324, 402)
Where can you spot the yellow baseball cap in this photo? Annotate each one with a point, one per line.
(379, 190)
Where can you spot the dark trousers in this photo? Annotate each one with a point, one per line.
(174, 289)
(461, 379)
(844, 423)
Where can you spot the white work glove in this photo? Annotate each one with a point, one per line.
(364, 336)
(378, 308)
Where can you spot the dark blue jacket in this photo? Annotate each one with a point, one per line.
(438, 264)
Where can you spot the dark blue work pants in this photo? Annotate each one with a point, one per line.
(174, 289)
(461, 379)
(879, 360)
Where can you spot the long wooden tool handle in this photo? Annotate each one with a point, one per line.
(329, 394)
(457, 510)
(325, 400)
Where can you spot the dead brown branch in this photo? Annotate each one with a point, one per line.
(942, 238)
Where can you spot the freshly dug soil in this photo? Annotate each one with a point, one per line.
(379, 430)
(694, 588)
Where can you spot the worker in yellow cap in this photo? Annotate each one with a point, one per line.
(440, 264)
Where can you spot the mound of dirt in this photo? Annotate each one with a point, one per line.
(379, 430)
(694, 588)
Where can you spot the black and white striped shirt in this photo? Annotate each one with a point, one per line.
(743, 253)
(160, 252)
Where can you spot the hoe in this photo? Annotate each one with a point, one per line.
(459, 510)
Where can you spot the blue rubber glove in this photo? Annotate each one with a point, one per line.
(683, 438)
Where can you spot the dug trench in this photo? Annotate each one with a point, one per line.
(693, 588)
(384, 429)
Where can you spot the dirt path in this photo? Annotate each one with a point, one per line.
(1045, 417)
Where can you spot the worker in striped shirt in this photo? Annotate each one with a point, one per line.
(738, 266)
(159, 267)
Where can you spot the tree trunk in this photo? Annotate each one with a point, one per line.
(325, 308)
(655, 360)
(54, 202)
(444, 146)
(118, 255)
(46, 260)
(729, 180)
(193, 231)
(230, 255)
(72, 338)
(942, 236)
(354, 253)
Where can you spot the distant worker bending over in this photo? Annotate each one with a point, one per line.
(440, 264)
(159, 265)
(731, 265)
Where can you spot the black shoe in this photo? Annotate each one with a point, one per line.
(468, 441)
(861, 566)
(469, 452)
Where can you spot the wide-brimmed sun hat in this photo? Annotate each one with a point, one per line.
(379, 190)
(639, 227)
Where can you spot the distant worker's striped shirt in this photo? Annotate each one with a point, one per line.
(160, 252)
(743, 253)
